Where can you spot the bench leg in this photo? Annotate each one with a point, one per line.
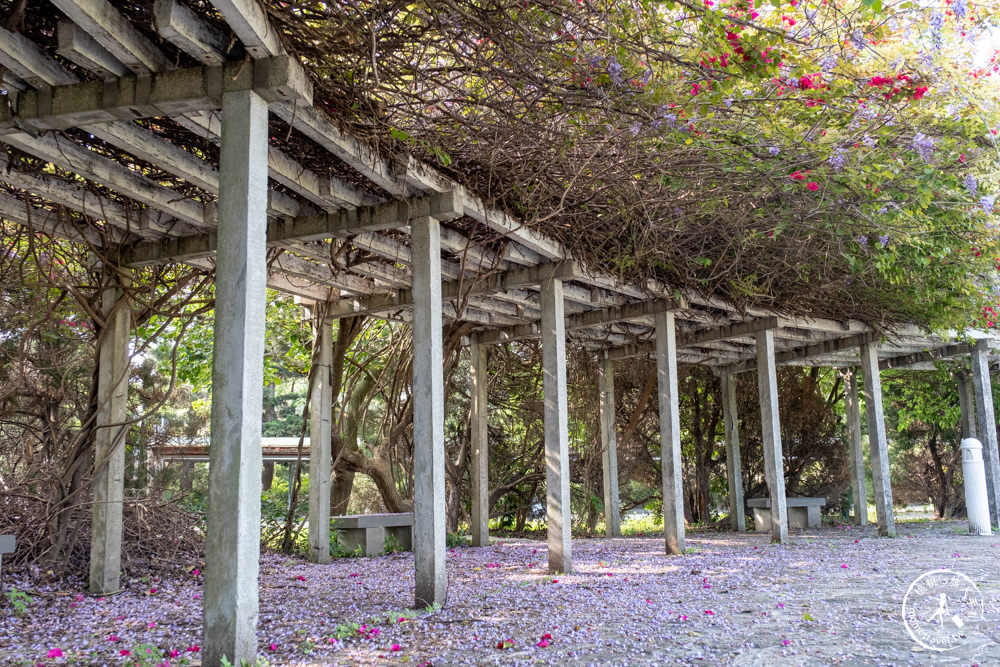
(761, 520)
(371, 540)
(814, 519)
(403, 535)
(797, 518)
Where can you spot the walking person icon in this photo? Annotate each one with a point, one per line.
(941, 610)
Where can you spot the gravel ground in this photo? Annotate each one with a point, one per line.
(832, 596)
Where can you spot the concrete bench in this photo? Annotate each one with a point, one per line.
(802, 512)
(6, 547)
(369, 531)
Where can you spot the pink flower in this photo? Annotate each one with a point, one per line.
(197, 595)
(300, 578)
(786, 642)
(55, 653)
(194, 648)
(272, 647)
(812, 186)
(174, 653)
(152, 591)
(543, 644)
(114, 638)
(781, 605)
(195, 572)
(843, 566)
(151, 625)
(353, 575)
(709, 612)
(795, 176)
(396, 647)
(124, 651)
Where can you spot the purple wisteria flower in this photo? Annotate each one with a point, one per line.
(936, 23)
(773, 150)
(987, 202)
(883, 240)
(971, 185)
(615, 71)
(838, 159)
(869, 141)
(961, 8)
(863, 242)
(923, 145)
(635, 128)
(858, 39)
(828, 63)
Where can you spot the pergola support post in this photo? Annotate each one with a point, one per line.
(966, 404)
(987, 427)
(558, 510)
(670, 433)
(734, 465)
(855, 446)
(429, 518)
(877, 443)
(609, 448)
(770, 422)
(232, 544)
(320, 439)
(110, 430)
(479, 468)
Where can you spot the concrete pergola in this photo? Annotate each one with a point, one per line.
(511, 283)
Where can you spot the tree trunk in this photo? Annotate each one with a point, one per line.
(267, 476)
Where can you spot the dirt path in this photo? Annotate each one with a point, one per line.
(832, 596)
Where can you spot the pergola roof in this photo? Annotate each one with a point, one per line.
(339, 237)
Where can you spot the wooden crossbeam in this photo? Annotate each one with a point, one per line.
(309, 228)
(166, 93)
(925, 356)
(454, 289)
(806, 352)
(584, 320)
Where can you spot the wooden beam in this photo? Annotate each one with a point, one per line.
(25, 59)
(250, 24)
(803, 353)
(77, 46)
(585, 320)
(925, 357)
(498, 282)
(185, 30)
(309, 228)
(115, 33)
(159, 94)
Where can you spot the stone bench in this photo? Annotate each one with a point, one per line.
(802, 512)
(6, 547)
(369, 531)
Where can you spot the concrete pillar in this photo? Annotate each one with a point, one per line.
(974, 480)
(856, 450)
(558, 510)
(770, 423)
(109, 444)
(877, 443)
(232, 543)
(670, 433)
(609, 449)
(320, 432)
(479, 472)
(987, 427)
(734, 465)
(429, 527)
(967, 404)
